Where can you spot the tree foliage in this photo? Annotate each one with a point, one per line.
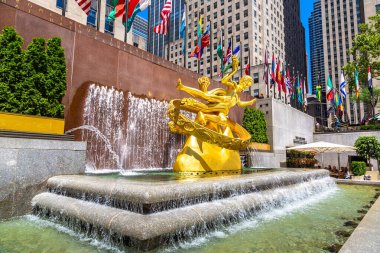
(32, 81)
(368, 147)
(254, 122)
(366, 52)
(358, 168)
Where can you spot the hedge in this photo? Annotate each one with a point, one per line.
(370, 127)
(254, 122)
(32, 81)
(358, 168)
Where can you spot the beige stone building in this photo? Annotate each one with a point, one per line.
(340, 20)
(252, 24)
(74, 12)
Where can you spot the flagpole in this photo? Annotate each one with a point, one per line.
(168, 40)
(274, 81)
(149, 36)
(98, 15)
(221, 63)
(241, 60)
(185, 39)
(211, 48)
(64, 7)
(126, 20)
(267, 73)
(249, 60)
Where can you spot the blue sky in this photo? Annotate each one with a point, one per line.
(306, 8)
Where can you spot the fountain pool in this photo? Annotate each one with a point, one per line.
(305, 226)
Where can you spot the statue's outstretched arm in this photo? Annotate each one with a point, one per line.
(246, 103)
(227, 78)
(197, 93)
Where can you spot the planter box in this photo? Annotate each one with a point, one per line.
(358, 178)
(29, 123)
(259, 146)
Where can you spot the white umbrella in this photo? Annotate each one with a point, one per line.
(324, 147)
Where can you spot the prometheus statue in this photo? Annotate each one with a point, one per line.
(213, 141)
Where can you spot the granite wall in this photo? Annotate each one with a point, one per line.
(26, 165)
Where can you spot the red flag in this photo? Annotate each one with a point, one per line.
(247, 69)
(278, 73)
(283, 80)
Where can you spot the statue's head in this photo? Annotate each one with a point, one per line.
(203, 82)
(244, 83)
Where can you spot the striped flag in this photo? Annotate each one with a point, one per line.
(141, 6)
(162, 28)
(288, 82)
(342, 86)
(85, 5)
(370, 87)
(329, 90)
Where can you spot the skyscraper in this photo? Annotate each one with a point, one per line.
(158, 42)
(295, 45)
(317, 59)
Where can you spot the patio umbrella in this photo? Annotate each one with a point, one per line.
(322, 147)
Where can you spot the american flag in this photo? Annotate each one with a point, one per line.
(162, 28)
(85, 5)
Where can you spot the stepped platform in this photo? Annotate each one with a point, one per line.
(146, 215)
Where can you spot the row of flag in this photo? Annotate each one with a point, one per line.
(290, 84)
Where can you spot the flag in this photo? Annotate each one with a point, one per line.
(219, 51)
(228, 52)
(266, 67)
(141, 6)
(119, 9)
(329, 90)
(228, 63)
(247, 69)
(278, 74)
(182, 31)
(273, 76)
(205, 42)
(340, 105)
(298, 88)
(85, 5)
(342, 85)
(336, 99)
(318, 89)
(304, 92)
(357, 83)
(370, 87)
(300, 91)
(283, 80)
(288, 82)
(162, 28)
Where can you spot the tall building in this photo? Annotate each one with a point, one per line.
(340, 20)
(369, 8)
(295, 45)
(158, 42)
(317, 61)
(74, 12)
(140, 32)
(252, 24)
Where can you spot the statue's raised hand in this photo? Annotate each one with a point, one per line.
(179, 85)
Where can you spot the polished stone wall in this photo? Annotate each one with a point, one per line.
(27, 164)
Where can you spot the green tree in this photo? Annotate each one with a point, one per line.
(56, 77)
(366, 52)
(368, 147)
(254, 122)
(34, 92)
(11, 55)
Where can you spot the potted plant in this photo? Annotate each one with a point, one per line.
(368, 147)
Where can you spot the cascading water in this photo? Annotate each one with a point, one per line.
(254, 161)
(123, 131)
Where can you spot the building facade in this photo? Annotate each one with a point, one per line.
(113, 28)
(295, 45)
(254, 25)
(317, 62)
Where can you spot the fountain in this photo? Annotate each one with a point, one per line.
(127, 132)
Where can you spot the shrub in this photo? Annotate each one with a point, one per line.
(254, 122)
(370, 127)
(32, 81)
(358, 168)
(368, 147)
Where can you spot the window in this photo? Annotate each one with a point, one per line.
(256, 78)
(377, 7)
(59, 4)
(91, 18)
(108, 28)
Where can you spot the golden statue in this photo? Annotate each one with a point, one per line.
(214, 140)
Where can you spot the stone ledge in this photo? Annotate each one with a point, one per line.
(19, 143)
(145, 198)
(365, 238)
